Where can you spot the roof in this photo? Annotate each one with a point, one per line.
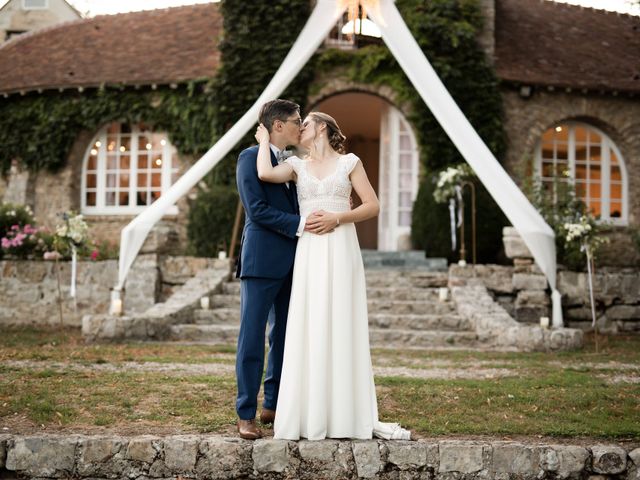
(548, 43)
(141, 48)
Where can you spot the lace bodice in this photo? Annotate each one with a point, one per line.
(330, 193)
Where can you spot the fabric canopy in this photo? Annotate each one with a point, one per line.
(535, 232)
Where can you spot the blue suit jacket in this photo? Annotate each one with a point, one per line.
(268, 244)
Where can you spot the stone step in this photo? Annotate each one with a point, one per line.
(411, 259)
(419, 322)
(421, 338)
(416, 307)
(383, 305)
(402, 294)
(380, 338)
(382, 278)
(216, 334)
(231, 317)
(231, 288)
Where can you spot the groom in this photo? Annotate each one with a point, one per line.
(265, 267)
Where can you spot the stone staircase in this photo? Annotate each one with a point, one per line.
(404, 310)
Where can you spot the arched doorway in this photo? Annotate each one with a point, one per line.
(379, 134)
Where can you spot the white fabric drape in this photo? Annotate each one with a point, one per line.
(323, 18)
(536, 234)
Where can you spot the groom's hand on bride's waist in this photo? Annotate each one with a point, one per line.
(321, 222)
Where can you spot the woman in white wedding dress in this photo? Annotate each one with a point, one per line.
(326, 388)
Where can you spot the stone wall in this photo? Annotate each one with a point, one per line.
(526, 119)
(29, 289)
(198, 456)
(522, 291)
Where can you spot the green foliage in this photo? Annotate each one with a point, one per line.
(257, 37)
(559, 206)
(446, 31)
(40, 129)
(211, 217)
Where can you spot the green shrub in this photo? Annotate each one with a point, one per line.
(211, 217)
(431, 230)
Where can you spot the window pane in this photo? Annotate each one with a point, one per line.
(581, 152)
(111, 180)
(90, 199)
(595, 153)
(110, 199)
(92, 180)
(614, 158)
(615, 191)
(594, 191)
(405, 181)
(615, 210)
(142, 180)
(156, 179)
(124, 198)
(547, 151)
(405, 161)
(594, 207)
(405, 142)
(594, 137)
(581, 190)
(92, 164)
(124, 180)
(405, 219)
(581, 172)
(616, 175)
(141, 197)
(143, 160)
(155, 194)
(125, 162)
(594, 172)
(562, 151)
(580, 134)
(175, 175)
(404, 199)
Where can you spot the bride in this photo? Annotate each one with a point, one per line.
(326, 387)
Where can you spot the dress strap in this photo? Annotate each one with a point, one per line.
(350, 161)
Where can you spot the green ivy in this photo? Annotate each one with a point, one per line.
(40, 129)
(446, 31)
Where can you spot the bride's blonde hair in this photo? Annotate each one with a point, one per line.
(334, 134)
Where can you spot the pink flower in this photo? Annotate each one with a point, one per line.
(6, 243)
(51, 255)
(94, 254)
(15, 227)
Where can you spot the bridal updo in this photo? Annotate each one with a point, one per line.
(334, 134)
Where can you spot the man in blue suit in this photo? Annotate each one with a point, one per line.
(265, 267)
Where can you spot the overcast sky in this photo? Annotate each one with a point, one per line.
(100, 7)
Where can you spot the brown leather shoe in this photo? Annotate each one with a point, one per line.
(267, 417)
(248, 429)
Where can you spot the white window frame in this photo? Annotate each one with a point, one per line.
(605, 147)
(390, 231)
(45, 7)
(132, 208)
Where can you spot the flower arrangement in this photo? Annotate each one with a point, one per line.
(448, 180)
(584, 234)
(73, 232)
(26, 241)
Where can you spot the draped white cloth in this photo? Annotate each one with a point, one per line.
(535, 232)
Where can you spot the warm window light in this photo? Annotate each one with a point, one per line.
(158, 162)
(365, 27)
(558, 129)
(94, 151)
(122, 149)
(148, 146)
(111, 145)
(163, 142)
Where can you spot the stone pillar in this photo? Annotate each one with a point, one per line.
(532, 301)
(487, 37)
(20, 186)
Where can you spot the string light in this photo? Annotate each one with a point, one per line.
(148, 146)
(98, 144)
(558, 129)
(158, 162)
(94, 151)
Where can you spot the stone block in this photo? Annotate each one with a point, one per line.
(514, 246)
(515, 458)
(634, 455)
(463, 457)
(529, 281)
(42, 456)
(624, 312)
(407, 455)
(180, 453)
(565, 460)
(530, 305)
(366, 455)
(141, 449)
(101, 457)
(270, 455)
(3, 450)
(226, 457)
(318, 451)
(608, 459)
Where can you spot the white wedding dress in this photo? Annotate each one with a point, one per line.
(326, 387)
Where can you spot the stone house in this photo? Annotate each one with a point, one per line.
(21, 16)
(570, 79)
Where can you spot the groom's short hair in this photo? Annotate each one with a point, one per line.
(277, 110)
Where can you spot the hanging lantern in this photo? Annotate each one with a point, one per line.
(355, 12)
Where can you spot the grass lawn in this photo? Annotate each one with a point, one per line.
(51, 381)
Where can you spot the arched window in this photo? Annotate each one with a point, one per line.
(594, 165)
(125, 169)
